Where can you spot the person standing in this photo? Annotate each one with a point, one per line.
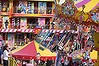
(5, 55)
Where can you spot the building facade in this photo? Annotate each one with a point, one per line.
(22, 19)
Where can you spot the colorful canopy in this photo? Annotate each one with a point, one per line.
(26, 52)
(29, 51)
(46, 53)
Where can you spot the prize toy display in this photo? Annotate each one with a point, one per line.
(68, 12)
(31, 7)
(22, 8)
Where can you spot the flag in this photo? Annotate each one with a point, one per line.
(96, 39)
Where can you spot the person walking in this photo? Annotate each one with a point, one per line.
(5, 55)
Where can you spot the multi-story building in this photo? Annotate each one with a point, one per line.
(21, 19)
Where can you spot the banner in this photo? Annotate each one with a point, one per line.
(23, 23)
(11, 40)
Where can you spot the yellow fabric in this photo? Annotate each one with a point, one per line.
(93, 54)
(45, 52)
(89, 6)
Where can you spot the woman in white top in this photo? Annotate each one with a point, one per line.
(5, 55)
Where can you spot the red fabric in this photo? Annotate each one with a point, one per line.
(45, 58)
(27, 52)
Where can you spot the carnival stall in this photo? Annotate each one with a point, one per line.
(31, 50)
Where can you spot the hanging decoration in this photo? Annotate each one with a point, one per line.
(69, 9)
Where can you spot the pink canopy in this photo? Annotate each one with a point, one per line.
(28, 52)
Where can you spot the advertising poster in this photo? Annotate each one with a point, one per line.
(11, 40)
(42, 7)
(41, 22)
(23, 23)
(6, 22)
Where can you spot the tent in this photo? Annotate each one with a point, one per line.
(46, 53)
(30, 51)
(26, 52)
